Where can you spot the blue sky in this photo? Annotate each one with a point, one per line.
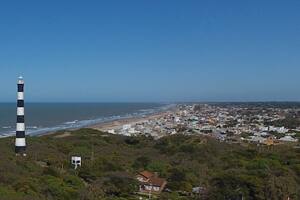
(140, 50)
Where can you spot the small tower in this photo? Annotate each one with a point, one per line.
(20, 143)
(76, 161)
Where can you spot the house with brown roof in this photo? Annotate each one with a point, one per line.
(150, 182)
(269, 141)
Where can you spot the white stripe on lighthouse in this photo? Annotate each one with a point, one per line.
(20, 95)
(20, 111)
(20, 142)
(20, 127)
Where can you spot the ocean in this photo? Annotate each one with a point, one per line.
(47, 117)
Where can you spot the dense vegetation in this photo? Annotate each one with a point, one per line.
(110, 163)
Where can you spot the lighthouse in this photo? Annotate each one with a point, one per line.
(20, 143)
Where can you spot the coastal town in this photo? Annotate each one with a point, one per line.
(233, 123)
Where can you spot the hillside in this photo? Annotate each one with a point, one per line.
(111, 161)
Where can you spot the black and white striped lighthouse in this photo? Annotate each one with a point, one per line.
(20, 143)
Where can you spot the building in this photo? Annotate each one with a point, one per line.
(76, 161)
(269, 141)
(20, 143)
(288, 138)
(150, 182)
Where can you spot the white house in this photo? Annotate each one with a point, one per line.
(288, 138)
(76, 161)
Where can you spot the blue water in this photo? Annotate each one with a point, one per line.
(46, 117)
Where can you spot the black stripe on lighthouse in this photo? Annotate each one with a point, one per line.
(20, 119)
(20, 87)
(20, 103)
(20, 143)
(20, 134)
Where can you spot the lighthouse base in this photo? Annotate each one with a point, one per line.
(20, 150)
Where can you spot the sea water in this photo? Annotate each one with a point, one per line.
(47, 117)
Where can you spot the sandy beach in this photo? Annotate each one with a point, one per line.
(116, 124)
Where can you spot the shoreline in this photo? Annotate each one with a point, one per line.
(118, 123)
(106, 124)
(113, 124)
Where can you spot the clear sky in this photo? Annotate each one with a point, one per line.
(158, 50)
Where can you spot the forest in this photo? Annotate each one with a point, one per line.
(110, 163)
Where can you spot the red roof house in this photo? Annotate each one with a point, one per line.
(150, 182)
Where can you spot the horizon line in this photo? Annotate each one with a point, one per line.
(162, 102)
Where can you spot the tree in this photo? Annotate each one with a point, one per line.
(141, 162)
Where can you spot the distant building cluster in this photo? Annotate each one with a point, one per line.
(228, 123)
